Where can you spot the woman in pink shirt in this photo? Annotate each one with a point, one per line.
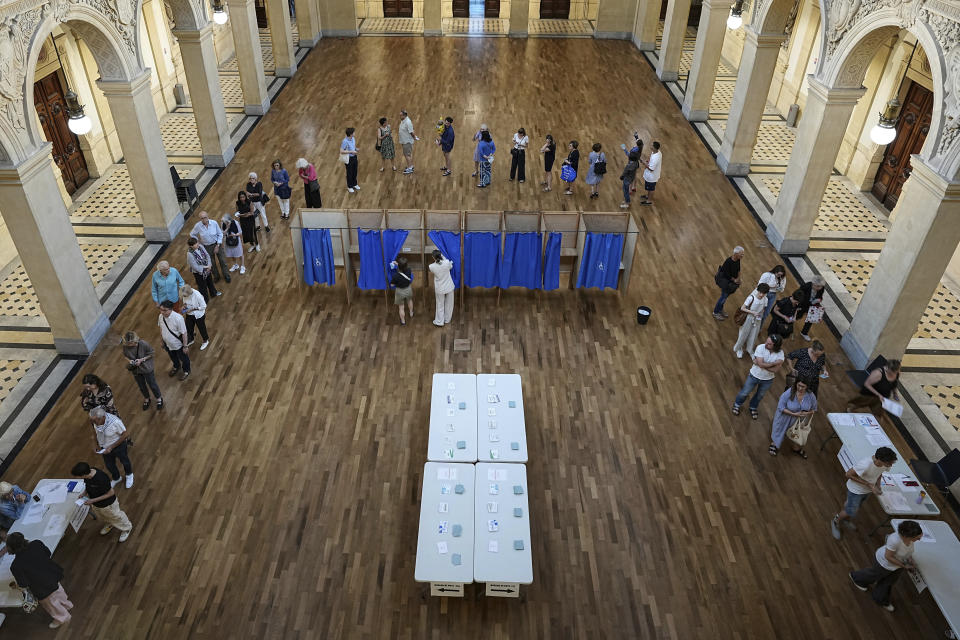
(311, 188)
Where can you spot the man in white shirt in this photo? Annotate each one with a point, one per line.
(406, 137)
(863, 479)
(767, 360)
(112, 444)
(443, 288)
(889, 560)
(173, 330)
(651, 175)
(210, 236)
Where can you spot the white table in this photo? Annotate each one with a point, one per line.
(506, 568)
(57, 515)
(442, 511)
(861, 435)
(501, 429)
(939, 565)
(453, 418)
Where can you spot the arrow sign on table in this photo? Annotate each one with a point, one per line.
(502, 590)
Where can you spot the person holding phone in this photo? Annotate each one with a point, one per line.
(139, 356)
(14, 502)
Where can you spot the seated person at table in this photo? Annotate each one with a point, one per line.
(889, 560)
(880, 384)
(863, 478)
(14, 502)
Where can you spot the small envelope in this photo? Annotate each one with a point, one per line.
(517, 513)
(463, 405)
(457, 530)
(517, 489)
(461, 444)
(456, 560)
(518, 545)
(515, 446)
(512, 404)
(459, 489)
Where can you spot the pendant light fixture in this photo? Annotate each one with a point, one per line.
(885, 131)
(735, 19)
(77, 121)
(219, 12)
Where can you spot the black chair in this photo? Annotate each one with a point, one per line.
(941, 474)
(186, 188)
(859, 376)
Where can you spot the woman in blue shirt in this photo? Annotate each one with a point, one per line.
(13, 503)
(281, 188)
(485, 149)
(348, 155)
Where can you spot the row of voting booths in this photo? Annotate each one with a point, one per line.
(538, 250)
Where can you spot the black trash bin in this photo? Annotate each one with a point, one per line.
(643, 315)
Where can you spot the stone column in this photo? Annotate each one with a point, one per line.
(246, 41)
(671, 47)
(278, 17)
(706, 59)
(40, 228)
(757, 63)
(155, 22)
(139, 131)
(805, 35)
(432, 21)
(519, 18)
(308, 22)
(914, 257)
(645, 25)
(340, 18)
(200, 67)
(615, 19)
(819, 135)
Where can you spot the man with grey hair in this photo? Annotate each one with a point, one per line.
(112, 441)
(210, 236)
(728, 279)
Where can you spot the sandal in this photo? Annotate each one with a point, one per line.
(735, 410)
(754, 414)
(773, 450)
(801, 453)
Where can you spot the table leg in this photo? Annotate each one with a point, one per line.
(832, 437)
(884, 523)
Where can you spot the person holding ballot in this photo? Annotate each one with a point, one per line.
(880, 386)
(443, 288)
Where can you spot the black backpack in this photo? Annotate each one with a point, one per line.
(600, 166)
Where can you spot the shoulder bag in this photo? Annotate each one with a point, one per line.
(800, 430)
(740, 316)
(568, 173)
(600, 166)
(725, 283)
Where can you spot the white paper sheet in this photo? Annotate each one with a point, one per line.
(892, 407)
(33, 515)
(55, 526)
(844, 419)
(896, 502)
(878, 440)
(54, 493)
(927, 534)
(79, 515)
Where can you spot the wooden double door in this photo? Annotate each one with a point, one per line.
(397, 8)
(52, 110)
(912, 130)
(554, 9)
(476, 8)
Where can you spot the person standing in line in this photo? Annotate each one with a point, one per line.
(785, 314)
(139, 356)
(211, 237)
(233, 243)
(165, 284)
(385, 145)
(33, 568)
(638, 149)
(401, 277)
(628, 177)
(573, 161)
(651, 174)
(881, 384)
(445, 141)
(487, 149)
(795, 403)
(348, 149)
(97, 393)
(173, 331)
(597, 162)
(776, 279)
(889, 561)
(406, 137)
(14, 502)
(809, 363)
(728, 279)
(812, 308)
(102, 498)
(549, 151)
(311, 188)
(194, 312)
(476, 151)
(443, 288)
(202, 269)
(767, 360)
(258, 199)
(281, 188)
(112, 440)
(753, 306)
(248, 222)
(863, 479)
(518, 161)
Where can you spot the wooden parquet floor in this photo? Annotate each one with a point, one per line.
(277, 494)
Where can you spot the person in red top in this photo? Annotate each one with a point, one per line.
(311, 188)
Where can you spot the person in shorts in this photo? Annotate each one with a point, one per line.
(651, 174)
(401, 277)
(406, 137)
(863, 479)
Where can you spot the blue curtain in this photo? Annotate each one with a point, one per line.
(481, 250)
(393, 240)
(520, 266)
(317, 256)
(600, 264)
(449, 244)
(551, 264)
(371, 260)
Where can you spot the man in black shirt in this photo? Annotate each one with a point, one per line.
(728, 279)
(101, 496)
(34, 569)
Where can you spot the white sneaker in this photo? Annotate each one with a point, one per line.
(349, 190)
(124, 536)
(205, 345)
(129, 482)
(243, 270)
(806, 337)
(258, 248)
(114, 483)
(356, 187)
(54, 625)
(739, 352)
(234, 268)
(106, 529)
(250, 250)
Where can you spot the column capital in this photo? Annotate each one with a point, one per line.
(28, 167)
(126, 87)
(194, 35)
(763, 40)
(717, 5)
(926, 177)
(832, 95)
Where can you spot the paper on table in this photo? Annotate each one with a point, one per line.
(844, 419)
(917, 580)
(878, 439)
(896, 502)
(33, 515)
(927, 534)
(902, 479)
(493, 546)
(892, 407)
(866, 420)
(501, 475)
(55, 525)
(54, 493)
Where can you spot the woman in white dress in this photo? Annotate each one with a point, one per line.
(754, 305)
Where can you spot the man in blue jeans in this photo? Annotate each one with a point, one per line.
(767, 360)
(446, 145)
(728, 279)
(863, 479)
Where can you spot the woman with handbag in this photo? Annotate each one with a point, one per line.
(281, 188)
(385, 145)
(258, 199)
(812, 308)
(568, 172)
(139, 356)
(785, 314)
(33, 568)
(749, 317)
(311, 188)
(97, 393)
(796, 403)
(232, 243)
(486, 149)
(598, 167)
(549, 151)
(248, 221)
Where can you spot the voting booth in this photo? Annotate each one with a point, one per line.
(317, 237)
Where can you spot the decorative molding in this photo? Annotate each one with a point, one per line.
(842, 15)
